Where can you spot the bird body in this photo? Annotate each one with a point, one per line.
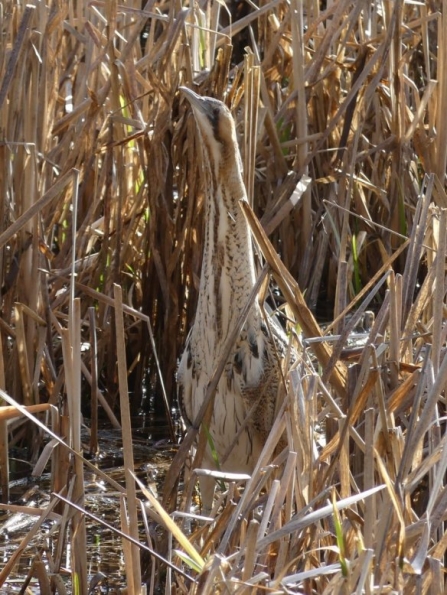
(251, 373)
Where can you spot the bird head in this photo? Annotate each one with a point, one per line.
(216, 127)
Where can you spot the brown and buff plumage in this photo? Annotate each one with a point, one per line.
(252, 372)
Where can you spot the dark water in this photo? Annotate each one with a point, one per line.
(152, 456)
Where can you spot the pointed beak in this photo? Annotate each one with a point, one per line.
(196, 101)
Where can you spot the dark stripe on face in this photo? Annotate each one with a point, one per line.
(215, 123)
(212, 111)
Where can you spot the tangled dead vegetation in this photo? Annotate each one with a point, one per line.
(340, 112)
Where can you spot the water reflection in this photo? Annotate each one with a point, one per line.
(106, 569)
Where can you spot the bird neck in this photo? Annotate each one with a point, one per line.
(228, 271)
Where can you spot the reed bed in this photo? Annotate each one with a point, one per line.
(340, 109)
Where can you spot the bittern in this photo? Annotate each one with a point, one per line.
(252, 372)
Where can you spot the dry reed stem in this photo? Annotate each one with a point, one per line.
(129, 517)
